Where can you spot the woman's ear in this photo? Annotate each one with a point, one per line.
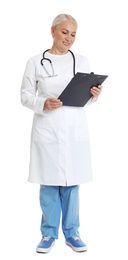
(52, 31)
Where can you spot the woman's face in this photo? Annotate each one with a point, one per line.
(63, 36)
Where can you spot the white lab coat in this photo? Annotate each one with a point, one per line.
(60, 149)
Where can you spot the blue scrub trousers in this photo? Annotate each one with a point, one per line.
(57, 200)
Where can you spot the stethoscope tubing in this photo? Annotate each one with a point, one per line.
(45, 58)
(51, 61)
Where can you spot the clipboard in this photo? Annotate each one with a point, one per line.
(77, 92)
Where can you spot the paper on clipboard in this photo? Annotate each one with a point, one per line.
(77, 92)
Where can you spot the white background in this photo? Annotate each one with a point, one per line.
(102, 38)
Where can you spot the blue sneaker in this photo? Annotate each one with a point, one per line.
(45, 244)
(76, 244)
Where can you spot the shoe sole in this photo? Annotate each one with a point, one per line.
(77, 249)
(44, 250)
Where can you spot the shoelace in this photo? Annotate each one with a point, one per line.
(76, 238)
(45, 238)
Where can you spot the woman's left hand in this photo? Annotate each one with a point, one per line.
(96, 91)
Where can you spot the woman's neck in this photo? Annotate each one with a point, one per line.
(56, 51)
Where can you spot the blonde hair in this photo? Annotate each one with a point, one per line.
(63, 17)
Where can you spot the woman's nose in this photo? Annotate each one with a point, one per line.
(67, 37)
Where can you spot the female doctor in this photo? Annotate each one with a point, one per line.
(60, 153)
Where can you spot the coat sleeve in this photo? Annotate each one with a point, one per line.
(29, 94)
(92, 100)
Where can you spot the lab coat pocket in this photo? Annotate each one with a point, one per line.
(81, 129)
(42, 131)
(45, 129)
(40, 134)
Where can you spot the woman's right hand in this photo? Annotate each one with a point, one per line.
(52, 103)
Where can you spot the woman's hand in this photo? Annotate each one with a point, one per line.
(96, 91)
(52, 103)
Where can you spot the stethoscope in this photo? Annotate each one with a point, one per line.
(53, 73)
